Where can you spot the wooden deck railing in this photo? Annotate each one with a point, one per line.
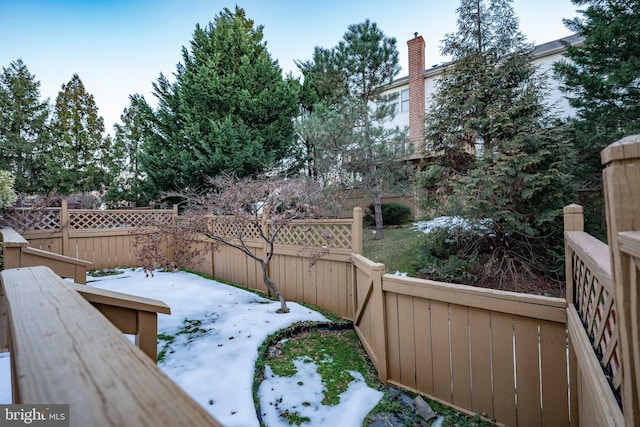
(63, 351)
(593, 327)
(18, 253)
(131, 314)
(621, 177)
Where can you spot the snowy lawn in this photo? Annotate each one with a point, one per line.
(208, 346)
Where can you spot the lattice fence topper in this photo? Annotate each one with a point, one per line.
(595, 303)
(23, 219)
(230, 227)
(299, 233)
(314, 234)
(84, 220)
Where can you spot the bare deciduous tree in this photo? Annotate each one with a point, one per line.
(240, 211)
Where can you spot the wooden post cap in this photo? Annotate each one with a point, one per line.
(625, 149)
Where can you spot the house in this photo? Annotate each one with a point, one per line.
(414, 91)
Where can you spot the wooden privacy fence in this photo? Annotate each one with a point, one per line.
(101, 237)
(326, 284)
(500, 354)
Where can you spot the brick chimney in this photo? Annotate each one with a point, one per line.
(416, 92)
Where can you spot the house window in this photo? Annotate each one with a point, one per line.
(404, 101)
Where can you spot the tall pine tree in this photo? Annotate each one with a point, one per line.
(129, 183)
(79, 155)
(229, 109)
(349, 125)
(23, 127)
(489, 123)
(601, 79)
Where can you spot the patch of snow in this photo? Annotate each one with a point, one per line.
(455, 224)
(302, 393)
(438, 422)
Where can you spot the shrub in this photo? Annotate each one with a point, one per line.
(7, 194)
(392, 214)
(444, 258)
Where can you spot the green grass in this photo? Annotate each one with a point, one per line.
(398, 251)
(335, 353)
(104, 272)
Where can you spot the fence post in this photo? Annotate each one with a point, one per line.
(64, 225)
(573, 221)
(356, 231)
(573, 217)
(174, 215)
(621, 178)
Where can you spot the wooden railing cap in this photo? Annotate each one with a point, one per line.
(13, 239)
(625, 149)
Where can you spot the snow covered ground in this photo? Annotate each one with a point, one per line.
(214, 363)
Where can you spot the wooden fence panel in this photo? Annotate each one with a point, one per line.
(555, 401)
(406, 340)
(440, 346)
(460, 356)
(370, 317)
(504, 405)
(480, 342)
(527, 373)
(498, 353)
(393, 337)
(423, 348)
(630, 250)
(442, 342)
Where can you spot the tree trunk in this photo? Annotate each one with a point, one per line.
(377, 204)
(273, 289)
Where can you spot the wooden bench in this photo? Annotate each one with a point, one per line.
(64, 351)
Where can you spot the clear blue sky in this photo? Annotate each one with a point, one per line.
(119, 47)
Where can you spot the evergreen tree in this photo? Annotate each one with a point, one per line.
(349, 123)
(502, 161)
(600, 78)
(490, 87)
(79, 155)
(129, 183)
(324, 81)
(23, 127)
(229, 110)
